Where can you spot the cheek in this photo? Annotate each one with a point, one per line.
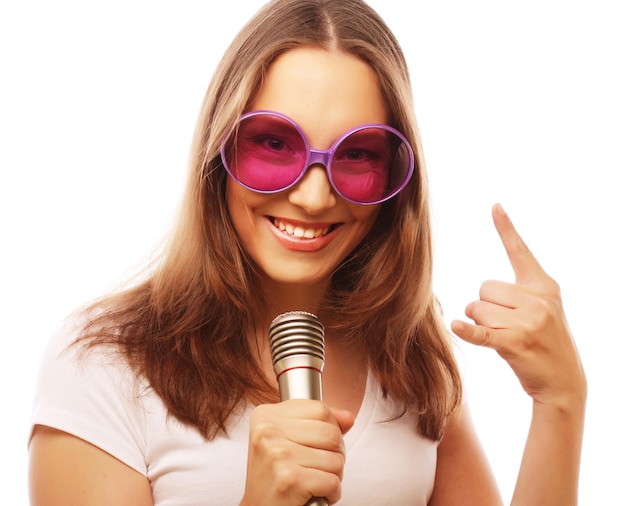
(365, 216)
(238, 207)
(244, 208)
(238, 197)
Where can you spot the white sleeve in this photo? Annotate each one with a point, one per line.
(93, 395)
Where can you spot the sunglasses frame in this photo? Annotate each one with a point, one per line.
(319, 156)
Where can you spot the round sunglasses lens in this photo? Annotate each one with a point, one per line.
(370, 164)
(266, 153)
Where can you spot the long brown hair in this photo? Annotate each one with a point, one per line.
(182, 327)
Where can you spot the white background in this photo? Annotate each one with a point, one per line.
(518, 102)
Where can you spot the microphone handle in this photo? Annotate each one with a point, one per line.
(297, 346)
(317, 501)
(302, 383)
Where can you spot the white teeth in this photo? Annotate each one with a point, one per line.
(299, 231)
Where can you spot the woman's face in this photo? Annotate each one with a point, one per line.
(301, 235)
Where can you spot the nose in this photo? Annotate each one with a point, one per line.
(313, 193)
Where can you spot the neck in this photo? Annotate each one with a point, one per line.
(282, 298)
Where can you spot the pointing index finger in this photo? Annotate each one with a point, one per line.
(525, 265)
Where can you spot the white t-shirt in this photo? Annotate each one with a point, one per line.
(97, 398)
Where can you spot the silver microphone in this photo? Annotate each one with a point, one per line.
(297, 346)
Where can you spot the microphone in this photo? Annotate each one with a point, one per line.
(297, 347)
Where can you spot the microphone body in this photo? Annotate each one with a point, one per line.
(297, 347)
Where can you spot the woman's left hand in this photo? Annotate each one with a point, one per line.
(525, 323)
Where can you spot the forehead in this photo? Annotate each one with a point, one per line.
(326, 92)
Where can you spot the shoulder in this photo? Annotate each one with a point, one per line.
(70, 364)
(91, 393)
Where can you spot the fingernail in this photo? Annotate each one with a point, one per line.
(458, 326)
(499, 209)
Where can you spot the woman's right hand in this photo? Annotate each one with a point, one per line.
(296, 451)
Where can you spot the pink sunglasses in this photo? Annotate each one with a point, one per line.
(268, 153)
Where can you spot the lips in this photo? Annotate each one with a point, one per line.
(301, 230)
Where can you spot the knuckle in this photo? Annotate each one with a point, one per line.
(485, 338)
(320, 411)
(333, 437)
(333, 485)
(554, 289)
(338, 461)
(544, 311)
(261, 434)
(486, 288)
(285, 479)
(278, 454)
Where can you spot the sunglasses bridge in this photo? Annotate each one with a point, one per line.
(318, 157)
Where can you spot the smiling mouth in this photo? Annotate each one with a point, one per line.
(300, 231)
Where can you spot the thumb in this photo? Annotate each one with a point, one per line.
(480, 336)
(344, 418)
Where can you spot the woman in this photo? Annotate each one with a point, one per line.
(164, 393)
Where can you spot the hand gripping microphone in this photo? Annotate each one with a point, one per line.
(297, 346)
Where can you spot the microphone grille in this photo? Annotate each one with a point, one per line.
(296, 333)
